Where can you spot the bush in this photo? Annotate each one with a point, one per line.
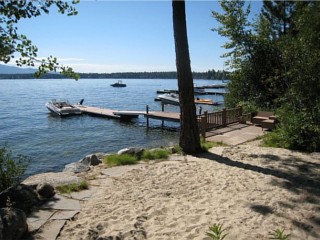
(11, 169)
(118, 160)
(155, 154)
(205, 146)
(295, 131)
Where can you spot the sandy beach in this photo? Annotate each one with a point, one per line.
(251, 190)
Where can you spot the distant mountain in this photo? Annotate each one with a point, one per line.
(5, 69)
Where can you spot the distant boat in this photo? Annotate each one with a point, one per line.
(63, 108)
(172, 98)
(119, 84)
(206, 101)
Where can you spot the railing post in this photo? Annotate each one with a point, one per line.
(204, 125)
(224, 117)
(241, 117)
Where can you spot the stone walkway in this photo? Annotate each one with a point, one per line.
(235, 134)
(46, 222)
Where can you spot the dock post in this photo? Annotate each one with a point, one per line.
(162, 108)
(147, 111)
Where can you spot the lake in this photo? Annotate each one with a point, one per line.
(28, 128)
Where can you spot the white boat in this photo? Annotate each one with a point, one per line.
(199, 90)
(169, 98)
(173, 98)
(63, 108)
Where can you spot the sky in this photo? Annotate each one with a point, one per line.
(127, 36)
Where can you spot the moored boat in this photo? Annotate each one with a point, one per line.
(119, 84)
(172, 98)
(169, 98)
(62, 108)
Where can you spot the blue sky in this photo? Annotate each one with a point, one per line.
(126, 36)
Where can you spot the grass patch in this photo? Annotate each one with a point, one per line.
(155, 154)
(177, 149)
(118, 160)
(207, 145)
(73, 187)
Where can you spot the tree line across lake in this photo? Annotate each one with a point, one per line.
(210, 74)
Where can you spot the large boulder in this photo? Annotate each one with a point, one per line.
(131, 151)
(20, 196)
(53, 178)
(76, 167)
(13, 223)
(91, 160)
(45, 190)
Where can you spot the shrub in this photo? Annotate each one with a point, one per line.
(118, 160)
(11, 169)
(205, 146)
(73, 187)
(155, 154)
(295, 131)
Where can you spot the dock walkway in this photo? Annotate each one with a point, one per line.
(116, 114)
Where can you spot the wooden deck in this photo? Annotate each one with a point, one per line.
(96, 111)
(110, 113)
(165, 116)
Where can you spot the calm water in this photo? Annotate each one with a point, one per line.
(29, 129)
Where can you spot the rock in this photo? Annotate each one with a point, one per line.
(91, 160)
(14, 223)
(54, 179)
(21, 196)
(45, 190)
(131, 151)
(76, 167)
(1, 228)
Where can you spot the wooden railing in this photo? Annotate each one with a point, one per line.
(208, 121)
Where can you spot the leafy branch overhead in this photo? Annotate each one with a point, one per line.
(11, 42)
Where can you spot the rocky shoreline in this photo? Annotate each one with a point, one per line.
(19, 203)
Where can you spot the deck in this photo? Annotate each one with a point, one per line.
(116, 114)
(96, 111)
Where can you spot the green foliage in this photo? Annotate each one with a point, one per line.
(279, 234)
(177, 149)
(205, 146)
(276, 65)
(294, 132)
(11, 169)
(248, 106)
(216, 232)
(118, 160)
(155, 154)
(73, 187)
(11, 12)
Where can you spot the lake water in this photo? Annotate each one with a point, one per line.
(52, 142)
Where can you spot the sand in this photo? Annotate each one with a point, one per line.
(251, 190)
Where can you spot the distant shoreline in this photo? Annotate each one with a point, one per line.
(209, 75)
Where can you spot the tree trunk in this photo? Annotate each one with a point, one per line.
(189, 134)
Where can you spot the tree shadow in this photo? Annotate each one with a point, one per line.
(294, 174)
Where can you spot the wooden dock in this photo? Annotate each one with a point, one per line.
(110, 113)
(96, 111)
